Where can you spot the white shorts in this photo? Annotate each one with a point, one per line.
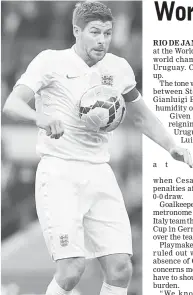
(81, 209)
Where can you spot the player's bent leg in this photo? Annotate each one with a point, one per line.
(108, 230)
(117, 269)
(60, 216)
(69, 272)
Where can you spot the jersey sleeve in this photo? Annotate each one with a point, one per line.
(128, 78)
(36, 75)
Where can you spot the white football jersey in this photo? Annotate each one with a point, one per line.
(59, 78)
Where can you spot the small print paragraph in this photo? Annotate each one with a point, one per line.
(172, 229)
(172, 94)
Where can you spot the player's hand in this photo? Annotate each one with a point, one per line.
(54, 128)
(183, 155)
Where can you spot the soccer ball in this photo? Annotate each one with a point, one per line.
(102, 108)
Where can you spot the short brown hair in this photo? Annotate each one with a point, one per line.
(88, 11)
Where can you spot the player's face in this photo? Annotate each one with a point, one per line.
(95, 39)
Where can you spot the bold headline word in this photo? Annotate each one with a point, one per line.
(169, 10)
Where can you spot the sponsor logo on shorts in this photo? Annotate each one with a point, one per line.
(107, 80)
(64, 241)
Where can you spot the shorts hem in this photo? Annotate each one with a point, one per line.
(100, 254)
(56, 257)
(91, 256)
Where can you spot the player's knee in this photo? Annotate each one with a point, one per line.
(69, 272)
(120, 272)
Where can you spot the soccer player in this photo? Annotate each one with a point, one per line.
(79, 203)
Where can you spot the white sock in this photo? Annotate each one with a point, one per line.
(55, 289)
(112, 290)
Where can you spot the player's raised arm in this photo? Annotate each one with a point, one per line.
(17, 108)
(16, 105)
(149, 124)
(33, 80)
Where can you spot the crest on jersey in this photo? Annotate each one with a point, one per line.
(107, 80)
(64, 241)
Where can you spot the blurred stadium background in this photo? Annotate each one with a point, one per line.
(29, 27)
